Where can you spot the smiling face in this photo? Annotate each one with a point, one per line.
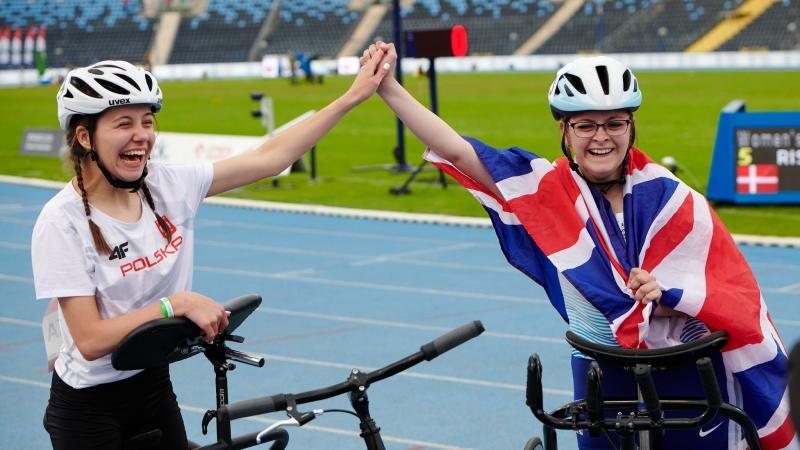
(123, 140)
(599, 156)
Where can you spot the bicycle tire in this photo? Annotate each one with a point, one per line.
(534, 443)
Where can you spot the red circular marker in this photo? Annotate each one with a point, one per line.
(458, 40)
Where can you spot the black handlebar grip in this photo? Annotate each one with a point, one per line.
(709, 379)
(255, 406)
(451, 339)
(594, 393)
(648, 390)
(533, 384)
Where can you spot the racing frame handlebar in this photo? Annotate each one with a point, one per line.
(356, 382)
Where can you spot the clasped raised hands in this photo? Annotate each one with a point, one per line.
(376, 63)
(387, 54)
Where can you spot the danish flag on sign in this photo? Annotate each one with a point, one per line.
(757, 179)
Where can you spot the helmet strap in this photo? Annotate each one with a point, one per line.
(134, 185)
(605, 186)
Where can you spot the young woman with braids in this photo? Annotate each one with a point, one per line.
(115, 247)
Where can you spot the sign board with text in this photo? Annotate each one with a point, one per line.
(43, 142)
(756, 157)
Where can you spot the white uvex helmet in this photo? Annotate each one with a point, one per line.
(596, 83)
(93, 89)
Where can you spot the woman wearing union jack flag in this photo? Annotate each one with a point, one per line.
(628, 254)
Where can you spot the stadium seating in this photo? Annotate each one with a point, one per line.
(80, 32)
(637, 26)
(318, 28)
(495, 27)
(777, 29)
(224, 34)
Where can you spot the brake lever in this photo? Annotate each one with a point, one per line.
(281, 423)
(294, 420)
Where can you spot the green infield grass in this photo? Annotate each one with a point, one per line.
(678, 118)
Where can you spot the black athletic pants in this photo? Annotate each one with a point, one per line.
(107, 415)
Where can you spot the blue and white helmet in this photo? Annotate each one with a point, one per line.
(93, 89)
(595, 83)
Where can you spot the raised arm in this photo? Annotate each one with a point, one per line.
(276, 154)
(429, 128)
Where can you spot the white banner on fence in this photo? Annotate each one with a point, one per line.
(193, 148)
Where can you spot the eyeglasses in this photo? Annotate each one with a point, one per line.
(615, 127)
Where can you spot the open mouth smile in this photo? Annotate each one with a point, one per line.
(599, 151)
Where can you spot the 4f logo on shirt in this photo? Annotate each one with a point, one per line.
(172, 228)
(119, 252)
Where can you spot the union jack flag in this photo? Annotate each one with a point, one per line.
(553, 226)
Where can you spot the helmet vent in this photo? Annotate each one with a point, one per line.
(83, 87)
(95, 71)
(110, 66)
(129, 80)
(557, 91)
(149, 82)
(112, 87)
(602, 75)
(68, 94)
(576, 83)
(626, 80)
(568, 91)
(635, 86)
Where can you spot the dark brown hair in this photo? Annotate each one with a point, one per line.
(77, 154)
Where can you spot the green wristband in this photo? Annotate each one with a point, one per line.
(165, 307)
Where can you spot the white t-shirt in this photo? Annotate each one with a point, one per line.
(142, 267)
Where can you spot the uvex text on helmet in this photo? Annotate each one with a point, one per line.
(93, 89)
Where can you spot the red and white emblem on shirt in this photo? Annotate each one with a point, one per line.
(757, 179)
(171, 226)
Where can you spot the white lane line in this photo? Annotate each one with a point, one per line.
(25, 323)
(787, 289)
(15, 245)
(18, 207)
(273, 249)
(422, 376)
(377, 286)
(22, 381)
(399, 258)
(227, 224)
(340, 431)
(791, 323)
(16, 220)
(426, 251)
(393, 324)
(779, 291)
(15, 278)
(781, 266)
(501, 268)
